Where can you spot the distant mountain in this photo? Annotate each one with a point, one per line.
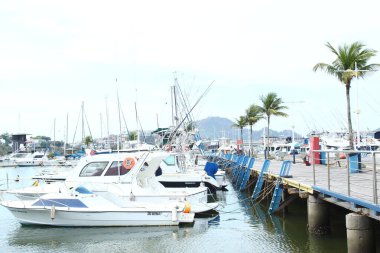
(217, 127)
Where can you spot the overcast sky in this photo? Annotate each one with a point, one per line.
(56, 54)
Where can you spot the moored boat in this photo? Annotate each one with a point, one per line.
(111, 176)
(84, 208)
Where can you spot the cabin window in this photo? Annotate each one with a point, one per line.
(113, 170)
(170, 160)
(93, 169)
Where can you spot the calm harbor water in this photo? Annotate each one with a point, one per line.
(239, 227)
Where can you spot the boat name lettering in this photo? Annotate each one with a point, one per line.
(154, 213)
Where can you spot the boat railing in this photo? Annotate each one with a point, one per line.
(352, 174)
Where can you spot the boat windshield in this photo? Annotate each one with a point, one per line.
(170, 160)
(93, 169)
(113, 170)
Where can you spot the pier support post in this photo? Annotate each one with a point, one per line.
(317, 216)
(360, 233)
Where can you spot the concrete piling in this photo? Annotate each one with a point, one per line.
(360, 233)
(317, 216)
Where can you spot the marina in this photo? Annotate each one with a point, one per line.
(249, 227)
(189, 126)
(239, 218)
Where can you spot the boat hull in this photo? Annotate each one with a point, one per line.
(70, 218)
(188, 184)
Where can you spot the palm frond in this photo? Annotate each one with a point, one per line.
(253, 114)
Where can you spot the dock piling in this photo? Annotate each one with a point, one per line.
(360, 233)
(317, 216)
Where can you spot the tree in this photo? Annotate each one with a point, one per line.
(253, 115)
(5, 149)
(343, 68)
(189, 126)
(241, 122)
(5, 141)
(271, 105)
(87, 141)
(132, 135)
(7, 138)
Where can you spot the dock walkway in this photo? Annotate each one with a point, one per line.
(358, 192)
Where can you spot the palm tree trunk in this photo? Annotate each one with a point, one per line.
(267, 156)
(350, 135)
(241, 138)
(250, 140)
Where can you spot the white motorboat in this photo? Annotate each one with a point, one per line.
(83, 208)
(174, 175)
(177, 173)
(32, 159)
(126, 176)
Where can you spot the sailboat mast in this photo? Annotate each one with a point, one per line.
(54, 135)
(101, 125)
(67, 131)
(118, 106)
(108, 129)
(137, 125)
(175, 106)
(83, 134)
(172, 103)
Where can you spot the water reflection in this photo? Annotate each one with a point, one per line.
(25, 235)
(46, 236)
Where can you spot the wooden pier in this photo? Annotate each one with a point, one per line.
(334, 182)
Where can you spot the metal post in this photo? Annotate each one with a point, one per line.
(374, 179)
(294, 156)
(328, 170)
(348, 174)
(313, 168)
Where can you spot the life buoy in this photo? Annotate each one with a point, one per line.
(128, 163)
(187, 207)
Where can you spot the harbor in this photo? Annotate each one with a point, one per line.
(240, 226)
(189, 126)
(310, 216)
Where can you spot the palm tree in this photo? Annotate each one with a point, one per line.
(272, 105)
(342, 68)
(253, 115)
(132, 135)
(241, 122)
(88, 141)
